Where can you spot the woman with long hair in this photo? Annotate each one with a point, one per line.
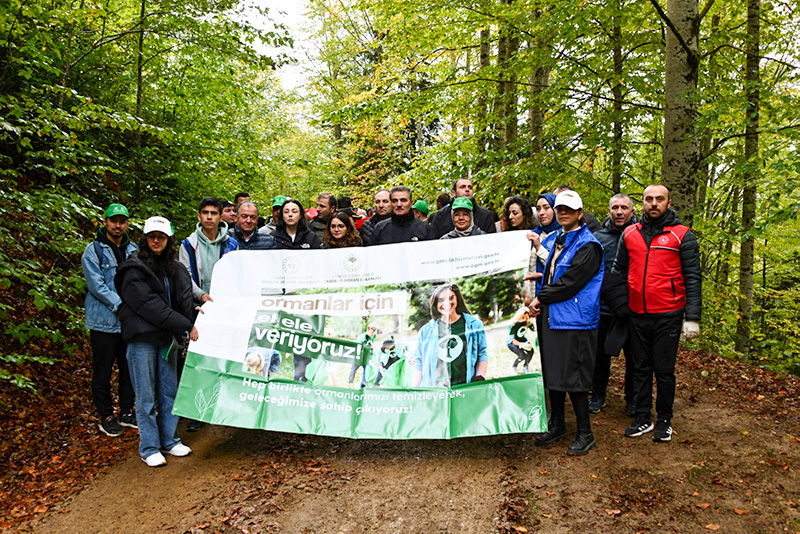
(292, 231)
(341, 232)
(157, 309)
(451, 348)
(517, 214)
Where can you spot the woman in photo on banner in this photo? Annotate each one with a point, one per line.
(451, 348)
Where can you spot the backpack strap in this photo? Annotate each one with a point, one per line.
(99, 251)
(192, 260)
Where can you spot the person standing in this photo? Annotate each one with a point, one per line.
(100, 261)
(463, 223)
(517, 214)
(206, 245)
(341, 232)
(484, 219)
(292, 231)
(383, 211)
(245, 231)
(621, 216)
(567, 307)
(420, 210)
(401, 226)
(326, 207)
(661, 259)
(228, 213)
(157, 308)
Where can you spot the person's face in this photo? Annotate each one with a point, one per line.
(461, 218)
(656, 201)
(116, 226)
(568, 218)
(544, 212)
(209, 217)
(515, 215)
(338, 229)
(401, 203)
(371, 331)
(276, 212)
(229, 215)
(383, 205)
(247, 219)
(621, 212)
(324, 209)
(157, 242)
(446, 303)
(463, 188)
(242, 199)
(291, 214)
(419, 215)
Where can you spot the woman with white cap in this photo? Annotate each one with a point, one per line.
(157, 309)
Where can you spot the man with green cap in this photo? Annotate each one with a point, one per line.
(272, 224)
(464, 225)
(100, 260)
(420, 209)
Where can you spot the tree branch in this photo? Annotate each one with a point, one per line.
(693, 59)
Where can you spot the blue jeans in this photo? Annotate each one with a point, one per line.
(155, 383)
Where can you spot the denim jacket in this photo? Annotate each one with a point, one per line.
(102, 300)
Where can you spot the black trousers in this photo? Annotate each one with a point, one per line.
(107, 349)
(602, 363)
(654, 347)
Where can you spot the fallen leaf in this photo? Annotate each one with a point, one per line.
(40, 509)
(712, 526)
(543, 471)
(521, 529)
(745, 432)
(703, 505)
(548, 516)
(594, 476)
(695, 494)
(741, 512)
(612, 513)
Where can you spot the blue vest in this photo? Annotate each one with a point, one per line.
(581, 312)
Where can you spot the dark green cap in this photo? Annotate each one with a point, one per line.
(278, 201)
(462, 202)
(421, 205)
(116, 209)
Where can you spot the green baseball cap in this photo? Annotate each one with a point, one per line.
(278, 201)
(462, 202)
(116, 209)
(421, 205)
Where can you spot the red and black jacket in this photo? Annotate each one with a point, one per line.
(662, 262)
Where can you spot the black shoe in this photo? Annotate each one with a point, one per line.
(556, 432)
(194, 426)
(110, 427)
(583, 442)
(663, 431)
(597, 404)
(639, 427)
(128, 419)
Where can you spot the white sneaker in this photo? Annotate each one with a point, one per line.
(513, 370)
(155, 460)
(525, 369)
(179, 450)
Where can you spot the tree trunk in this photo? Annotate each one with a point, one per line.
(137, 178)
(499, 100)
(680, 154)
(510, 92)
(750, 179)
(616, 89)
(705, 170)
(483, 64)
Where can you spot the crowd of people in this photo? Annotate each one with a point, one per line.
(630, 284)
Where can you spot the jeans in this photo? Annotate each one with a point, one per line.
(522, 356)
(155, 382)
(108, 348)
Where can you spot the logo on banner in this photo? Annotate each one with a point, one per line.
(290, 265)
(352, 263)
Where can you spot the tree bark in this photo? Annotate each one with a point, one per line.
(483, 64)
(616, 90)
(137, 179)
(680, 155)
(750, 179)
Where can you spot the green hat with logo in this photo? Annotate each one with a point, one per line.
(421, 205)
(278, 201)
(116, 209)
(462, 202)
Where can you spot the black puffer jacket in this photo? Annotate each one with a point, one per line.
(401, 229)
(367, 230)
(609, 236)
(304, 240)
(145, 313)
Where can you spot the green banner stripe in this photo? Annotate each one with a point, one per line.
(218, 391)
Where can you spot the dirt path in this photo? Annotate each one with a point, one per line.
(730, 467)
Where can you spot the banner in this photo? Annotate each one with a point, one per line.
(415, 340)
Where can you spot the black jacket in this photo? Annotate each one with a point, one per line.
(145, 312)
(305, 239)
(401, 229)
(443, 223)
(258, 240)
(689, 256)
(609, 236)
(367, 229)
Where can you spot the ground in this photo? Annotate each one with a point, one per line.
(730, 467)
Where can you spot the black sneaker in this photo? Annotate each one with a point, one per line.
(663, 431)
(110, 427)
(581, 445)
(597, 404)
(128, 419)
(639, 427)
(555, 432)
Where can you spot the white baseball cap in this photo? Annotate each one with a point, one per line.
(570, 199)
(158, 224)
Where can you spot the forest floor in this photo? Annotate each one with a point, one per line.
(732, 466)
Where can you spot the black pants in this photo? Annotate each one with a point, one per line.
(654, 347)
(602, 363)
(107, 349)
